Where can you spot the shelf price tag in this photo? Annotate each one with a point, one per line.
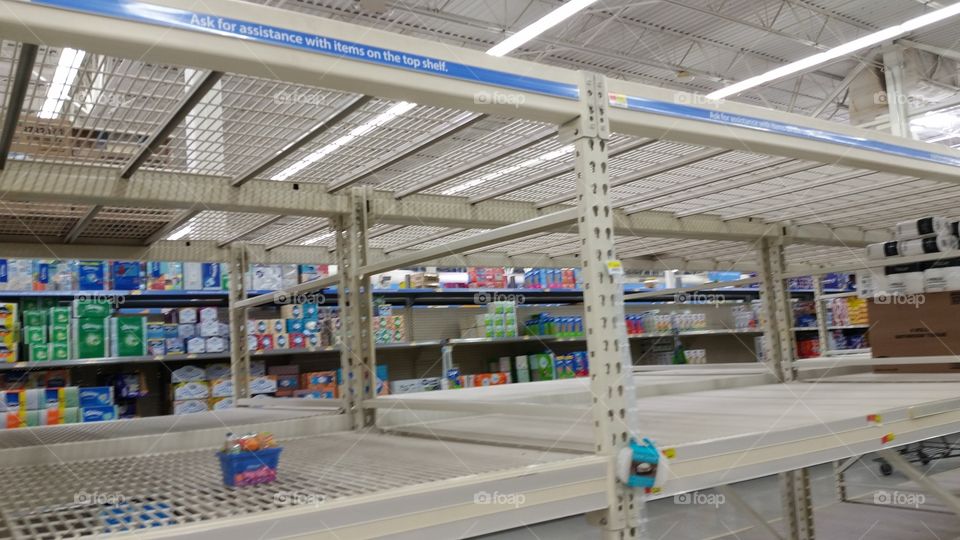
(887, 438)
(615, 268)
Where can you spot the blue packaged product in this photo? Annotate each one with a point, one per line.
(156, 331)
(3, 270)
(211, 277)
(41, 274)
(96, 396)
(310, 311)
(295, 326)
(126, 275)
(98, 414)
(91, 275)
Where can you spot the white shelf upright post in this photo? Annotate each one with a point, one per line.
(239, 350)
(358, 354)
(780, 348)
(611, 373)
(820, 304)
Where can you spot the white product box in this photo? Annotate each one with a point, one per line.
(191, 390)
(216, 344)
(218, 371)
(190, 406)
(188, 374)
(208, 314)
(196, 345)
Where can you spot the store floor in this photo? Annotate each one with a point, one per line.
(710, 517)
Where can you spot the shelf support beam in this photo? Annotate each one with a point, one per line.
(797, 504)
(358, 359)
(194, 97)
(18, 92)
(270, 220)
(893, 70)
(777, 315)
(82, 224)
(239, 348)
(349, 108)
(608, 348)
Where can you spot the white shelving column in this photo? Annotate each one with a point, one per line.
(780, 348)
(820, 304)
(358, 354)
(239, 351)
(611, 373)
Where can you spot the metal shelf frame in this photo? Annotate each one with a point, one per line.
(591, 112)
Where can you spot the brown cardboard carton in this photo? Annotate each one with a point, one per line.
(915, 325)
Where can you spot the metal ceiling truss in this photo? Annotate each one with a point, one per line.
(17, 93)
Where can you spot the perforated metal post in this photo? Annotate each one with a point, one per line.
(611, 379)
(821, 306)
(357, 355)
(780, 349)
(777, 313)
(239, 349)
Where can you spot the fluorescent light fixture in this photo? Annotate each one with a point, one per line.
(937, 121)
(839, 51)
(379, 121)
(67, 69)
(181, 232)
(549, 156)
(316, 239)
(541, 25)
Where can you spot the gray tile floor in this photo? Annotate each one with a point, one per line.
(668, 520)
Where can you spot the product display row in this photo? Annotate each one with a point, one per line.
(63, 405)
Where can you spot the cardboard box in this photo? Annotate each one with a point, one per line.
(915, 325)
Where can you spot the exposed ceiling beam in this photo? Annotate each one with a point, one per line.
(835, 93)
(482, 161)
(296, 236)
(160, 136)
(407, 151)
(82, 224)
(270, 220)
(354, 104)
(178, 222)
(16, 95)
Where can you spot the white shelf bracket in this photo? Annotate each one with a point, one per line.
(358, 355)
(608, 348)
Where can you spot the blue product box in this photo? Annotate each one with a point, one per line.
(3, 270)
(41, 274)
(156, 331)
(126, 275)
(156, 347)
(99, 414)
(171, 330)
(310, 311)
(211, 277)
(96, 396)
(295, 326)
(173, 345)
(91, 275)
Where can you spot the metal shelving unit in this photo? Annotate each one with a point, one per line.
(456, 211)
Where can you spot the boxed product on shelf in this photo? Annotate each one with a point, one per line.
(390, 329)
(34, 335)
(493, 278)
(915, 327)
(218, 370)
(60, 351)
(208, 314)
(542, 367)
(195, 345)
(216, 344)
(942, 275)
(191, 390)
(190, 406)
(188, 373)
(412, 386)
(263, 384)
(904, 278)
(220, 403)
(128, 336)
(34, 317)
(221, 388)
(126, 275)
(808, 347)
(165, 276)
(485, 379)
(173, 346)
(89, 337)
(310, 272)
(19, 275)
(99, 414)
(58, 315)
(288, 378)
(39, 353)
(323, 381)
(202, 276)
(186, 315)
(90, 308)
(521, 369)
(95, 396)
(92, 275)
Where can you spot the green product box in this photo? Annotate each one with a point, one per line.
(59, 333)
(91, 309)
(541, 367)
(59, 315)
(34, 317)
(40, 353)
(40, 303)
(89, 338)
(60, 351)
(35, 335)
(128, 336)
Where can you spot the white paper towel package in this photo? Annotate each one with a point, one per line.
(883, 250)
(920, 228)
(942, 243)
